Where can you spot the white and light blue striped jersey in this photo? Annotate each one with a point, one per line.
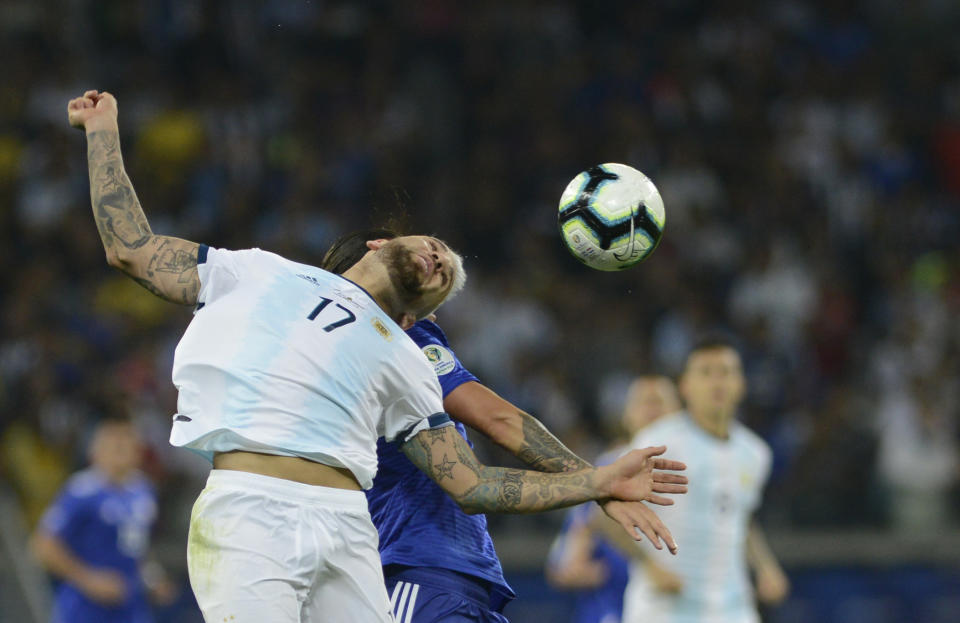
(285, 358)
(710, 524)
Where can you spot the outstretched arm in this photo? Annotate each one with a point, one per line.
(445, 456)
(166, 266)
(518, 432)
(482, 409)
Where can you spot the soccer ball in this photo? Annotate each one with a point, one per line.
(611, 216)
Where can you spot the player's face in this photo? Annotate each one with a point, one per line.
(421, 268)
(713, 381)
(648, 399)
(116, 449)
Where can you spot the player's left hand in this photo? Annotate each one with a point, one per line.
(639, 475)
(636, 519)
(772, 585)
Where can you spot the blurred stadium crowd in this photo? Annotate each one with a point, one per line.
(808, 156)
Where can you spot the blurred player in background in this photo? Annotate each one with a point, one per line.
(709, 580)
(287, 376)
(584, 561)
(94, 537)
(457, 575)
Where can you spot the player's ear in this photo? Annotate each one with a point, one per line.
(741, 388)
(407, 320)
(373, 245)
(682, 387)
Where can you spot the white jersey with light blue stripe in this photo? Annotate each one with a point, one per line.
(710, 524)
(286, 358)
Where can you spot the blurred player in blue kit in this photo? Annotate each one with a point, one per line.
(440, 563)
(94, 537)
(584, 561)
(287, 375)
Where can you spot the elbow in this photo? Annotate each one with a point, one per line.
(467, 507)
(126, 262)
(39, 547)
(114, 260)
(467, 504)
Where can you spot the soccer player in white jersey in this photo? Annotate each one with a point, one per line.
(287, 376)
(708, 581)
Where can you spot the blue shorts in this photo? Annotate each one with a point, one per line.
(431, 595)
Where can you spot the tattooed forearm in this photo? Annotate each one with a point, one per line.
(163, 265)
(544, 452)
(511, 489)
(478, 488)
(502, 490)
(120, 219)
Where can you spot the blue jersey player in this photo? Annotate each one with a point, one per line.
(588, 564)
(94, 537)
(439, 562)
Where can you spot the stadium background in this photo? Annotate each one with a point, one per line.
(809, 159)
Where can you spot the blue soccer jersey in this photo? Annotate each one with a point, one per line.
(419, 524)
(107, 526)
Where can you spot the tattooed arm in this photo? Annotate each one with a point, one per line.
(525, 437)
(518, 432)
(445, 456)
(166, 266)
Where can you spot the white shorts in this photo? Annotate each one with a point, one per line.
(642, 603)
(267, 550)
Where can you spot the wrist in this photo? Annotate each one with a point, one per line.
(602, 481)
(98, 124)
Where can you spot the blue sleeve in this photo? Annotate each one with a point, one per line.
(432, 341)
(64, 517)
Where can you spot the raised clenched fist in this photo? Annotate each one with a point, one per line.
(93, 111)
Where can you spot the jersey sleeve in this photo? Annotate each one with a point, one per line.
(64, 517)
(420, 408)
(220, 270)
(764, 463)
(433, 343)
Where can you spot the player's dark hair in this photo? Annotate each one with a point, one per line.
(108, 407)
(347, 250)
(114, 419)
(714, 341)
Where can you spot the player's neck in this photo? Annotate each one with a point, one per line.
(116, 477)
(374, 279)
(716, 423)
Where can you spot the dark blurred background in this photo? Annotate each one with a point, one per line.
(808, 154)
